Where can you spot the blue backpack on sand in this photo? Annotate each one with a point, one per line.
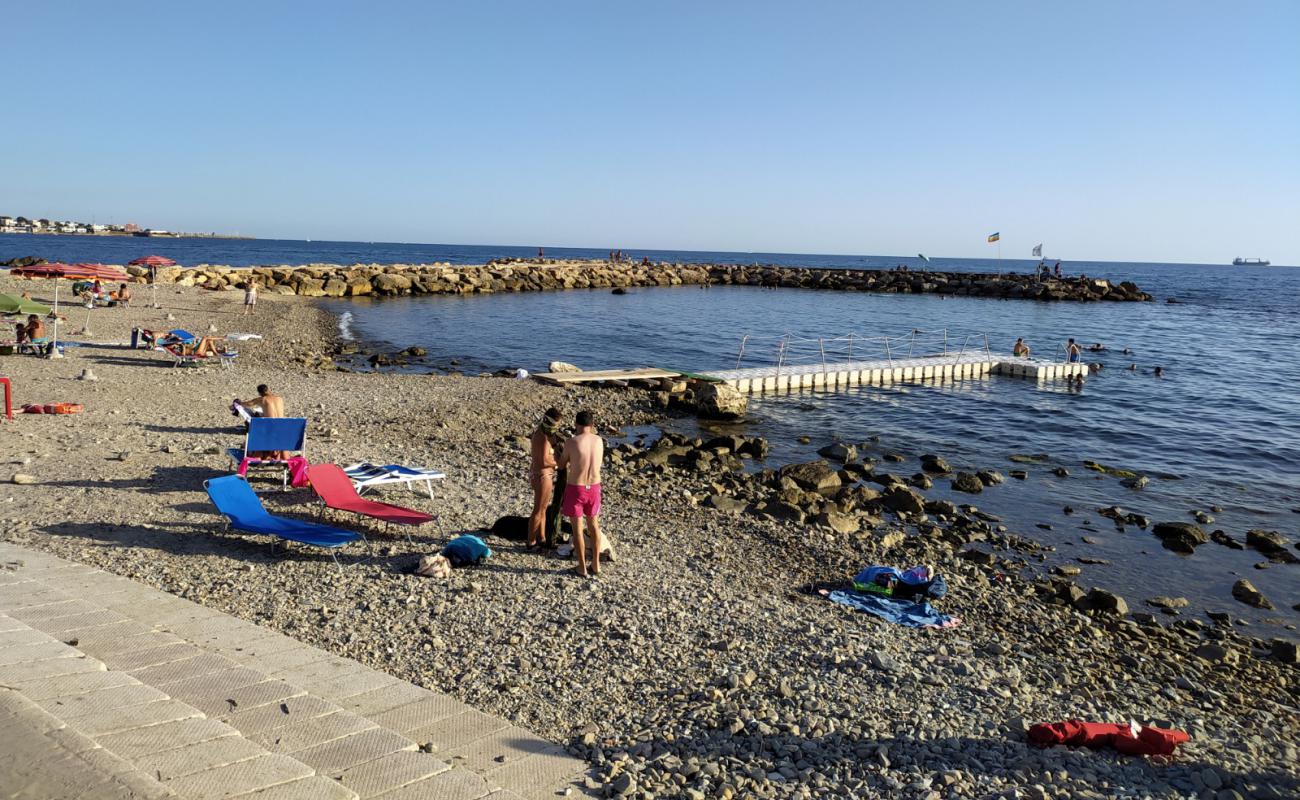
(465, 550)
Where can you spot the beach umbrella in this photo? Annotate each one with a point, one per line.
(153, 263)
(13, 304)
(103, 272)
(56, 270)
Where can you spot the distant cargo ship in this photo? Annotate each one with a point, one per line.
(1250, 262)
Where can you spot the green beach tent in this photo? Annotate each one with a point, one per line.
(13, 304)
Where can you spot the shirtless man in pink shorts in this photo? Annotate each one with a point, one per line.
(582, 456)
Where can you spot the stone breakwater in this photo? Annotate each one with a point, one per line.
(332, 280)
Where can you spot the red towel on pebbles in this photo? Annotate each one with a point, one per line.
(1145, 741)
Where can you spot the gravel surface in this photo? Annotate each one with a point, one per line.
(700, 664)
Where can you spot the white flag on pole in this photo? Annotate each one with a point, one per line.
(1038, 250)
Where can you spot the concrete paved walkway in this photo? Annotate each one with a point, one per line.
(111, 689)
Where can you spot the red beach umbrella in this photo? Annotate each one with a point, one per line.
(153, 263)
(103, 272)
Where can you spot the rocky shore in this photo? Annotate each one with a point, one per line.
(702, 664)
(537, 275)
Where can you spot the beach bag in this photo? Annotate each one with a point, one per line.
(511, 527)
(465, 550)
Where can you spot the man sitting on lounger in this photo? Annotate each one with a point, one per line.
(267, 404)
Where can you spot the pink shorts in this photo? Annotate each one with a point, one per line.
(581, 501)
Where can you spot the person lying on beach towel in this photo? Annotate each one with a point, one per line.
(919, 581)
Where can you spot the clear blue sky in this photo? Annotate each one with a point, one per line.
(1158, 131)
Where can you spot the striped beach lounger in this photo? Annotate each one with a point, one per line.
(365, 475)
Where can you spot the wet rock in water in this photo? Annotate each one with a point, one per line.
(720, 401)
(1162, 601)
(899, 498)
(935, 464)
(1023, 458)
(1271, 544)
(990, 477)
(1018, 474)
(1245, 592)
(895, 457)
(1181, 537)
(805, 440)
(1139, 482)
(966, 482)
(1061, 472)
(562, 366)
(1222, 538)
(1067, 570)
(1203, 518)
(618, 290)
(921, 481)
(839, 452)
(943, 508)
(812, 475)
(415, 352)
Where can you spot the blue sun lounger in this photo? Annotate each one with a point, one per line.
(271, 435)
(244, 511)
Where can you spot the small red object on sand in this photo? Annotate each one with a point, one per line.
(1130, 740)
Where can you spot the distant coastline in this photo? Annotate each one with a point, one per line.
(46, 227)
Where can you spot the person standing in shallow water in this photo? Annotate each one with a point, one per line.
(541, 475)
(1073, 351)
(582, 456)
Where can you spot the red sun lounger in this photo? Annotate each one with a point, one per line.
(335, 490)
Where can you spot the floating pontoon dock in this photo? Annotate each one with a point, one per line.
(845, 374)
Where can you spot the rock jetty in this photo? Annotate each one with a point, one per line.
(333, 280)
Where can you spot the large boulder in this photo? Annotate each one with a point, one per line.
(562, 366)
(966, 482)
(1271, 544)
(815, 476)
(1181, 537)
(935, 464)
(901, 499)
(389, 283)
(720, 401)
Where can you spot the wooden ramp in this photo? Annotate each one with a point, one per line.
(600, 376)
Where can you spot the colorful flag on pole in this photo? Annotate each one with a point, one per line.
(993, 237)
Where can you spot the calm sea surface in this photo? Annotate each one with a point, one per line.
(1223, 424)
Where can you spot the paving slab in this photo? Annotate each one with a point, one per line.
(454, 784)
(457, 731)
(353, 683)
(141, 716)
(35, 615)
(19, 654)
(311, 788)
(158, 738)
(24, 635)
(497, 748)
(202, 664)
(239, 778)
(384, 699)
(150, 657)
(31, 670)
(72, 707)
(311, 732)
(68, 685)
(61, 626)
(146, 639)
(105, 636)
(422, 713)
(392, 771)
(539, 774)
(264, 718)
(181, 761)
(334, 757)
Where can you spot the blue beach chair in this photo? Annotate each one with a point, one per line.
(286, 435)
(237, 501)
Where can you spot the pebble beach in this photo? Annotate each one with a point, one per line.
(702, 663)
